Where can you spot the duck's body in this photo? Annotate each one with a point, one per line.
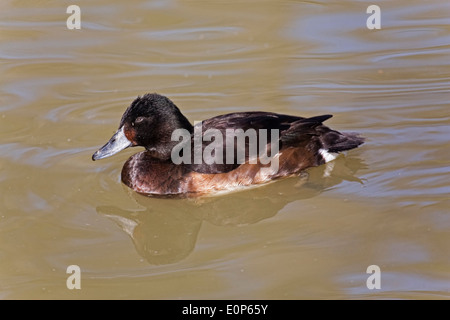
(151, 120)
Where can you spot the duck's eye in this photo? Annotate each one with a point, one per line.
(139, 119)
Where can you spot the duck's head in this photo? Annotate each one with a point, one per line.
(148, 122)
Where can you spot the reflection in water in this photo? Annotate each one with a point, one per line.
(166, 230)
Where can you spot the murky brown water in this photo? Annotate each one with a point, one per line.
(62, 93)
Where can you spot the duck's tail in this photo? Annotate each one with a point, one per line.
(325, 142)
(333, 142)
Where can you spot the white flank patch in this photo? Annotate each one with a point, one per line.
(327, 156)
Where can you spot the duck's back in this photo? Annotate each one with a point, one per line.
(250, 120)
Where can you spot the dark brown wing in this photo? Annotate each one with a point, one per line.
(250, 123)
(305, 134)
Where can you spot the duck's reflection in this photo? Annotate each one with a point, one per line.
(165, 230)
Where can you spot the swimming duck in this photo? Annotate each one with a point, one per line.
(201, 163)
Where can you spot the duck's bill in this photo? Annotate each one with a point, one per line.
(117, 143)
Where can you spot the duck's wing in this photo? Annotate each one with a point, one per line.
(250, 120)
(238, 134)
(310, 140)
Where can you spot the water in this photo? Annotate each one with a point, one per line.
(387, 203)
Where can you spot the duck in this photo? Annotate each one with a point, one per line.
(221, 154)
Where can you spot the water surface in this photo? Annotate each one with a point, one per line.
(62, 93)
